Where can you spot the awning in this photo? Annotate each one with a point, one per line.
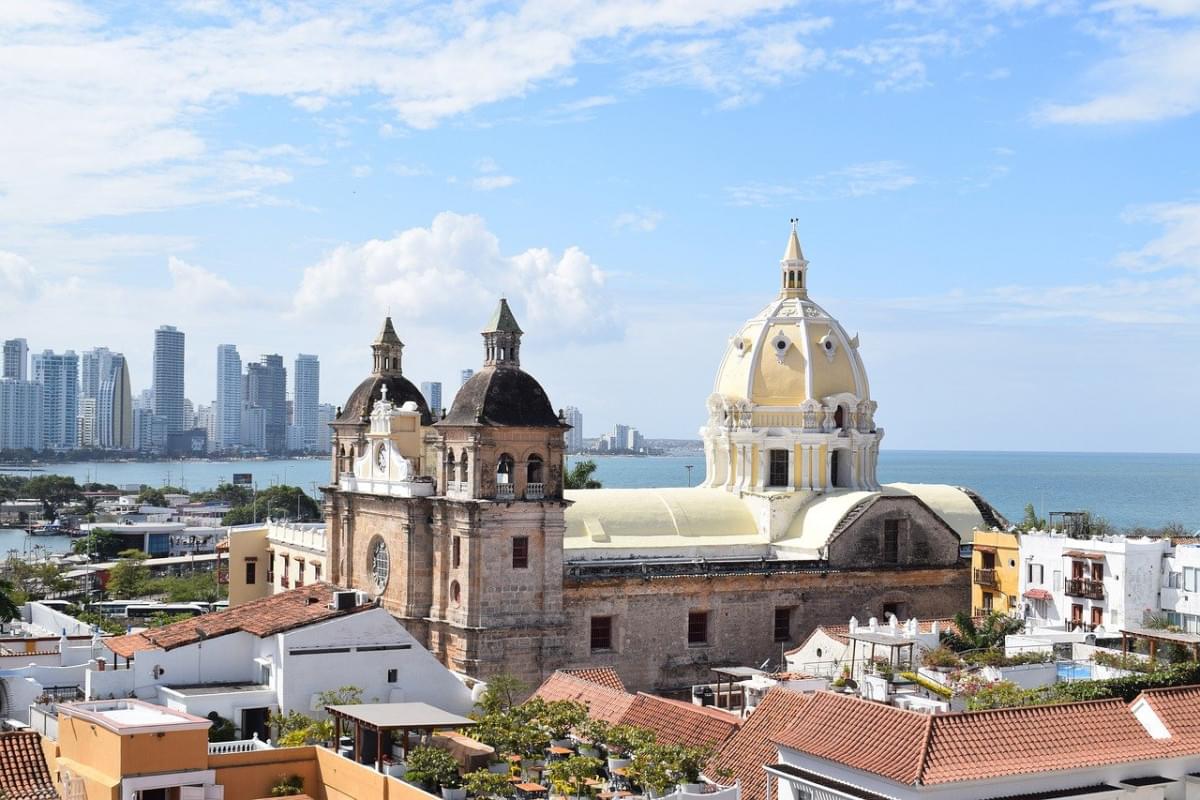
(1038, 594)
(984, 548)
(1084, 554)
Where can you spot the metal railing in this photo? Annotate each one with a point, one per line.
(986, 611)
(505, 491)
(238, 746)
(985, 577)
(1085, 587)
(535, 491)
(1080, 625)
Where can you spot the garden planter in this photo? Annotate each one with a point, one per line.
(397, 770)
(617, 763)
(499, 768)
(691, 788)
(562, 742)
(590, 752)
(454, 794)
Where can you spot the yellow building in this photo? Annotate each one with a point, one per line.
(273, 557)
(132, 750)
(995, 572)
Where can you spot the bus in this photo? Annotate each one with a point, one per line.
(142, 613)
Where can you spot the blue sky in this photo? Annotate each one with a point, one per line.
(1000, 196)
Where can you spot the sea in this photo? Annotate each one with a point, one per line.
(1127, 489)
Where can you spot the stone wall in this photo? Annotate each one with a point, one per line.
(650, 617)
(924, 538)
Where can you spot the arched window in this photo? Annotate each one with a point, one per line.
(463, 467)
(380, 564)
(839, 417)
(533, 469)
(504, 469)
(451, 475)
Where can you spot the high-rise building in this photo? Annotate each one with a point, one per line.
(114, 407)
(20, 414)
(306, 390)
(16, 360)
(94, 367)
(326, 414)
(574, 439)
(266, 388)
(433, 396)
(168, 377)
(189, 414)
(227, 426)
(86, 426)
(466, 376)
(254, 426)
(59, 376)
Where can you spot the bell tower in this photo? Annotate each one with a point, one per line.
(387, 350)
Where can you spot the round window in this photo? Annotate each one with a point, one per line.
(828, 345)
(781, 345)
(380, 564)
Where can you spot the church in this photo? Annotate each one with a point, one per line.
(459, 523)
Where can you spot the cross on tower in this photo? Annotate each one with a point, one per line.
(383, 392)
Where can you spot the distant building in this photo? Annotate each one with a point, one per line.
(114, 406)
(187, 444)
(86, 427)
(254, 428)
(228, 403)
(466, 376)
(59, 376)
(306, 382)
(432, 390)
(20, 414)
(149, 431)
(266, 388)
(574, 418)
(189, 414)
(326, 413)
(168, 377)
(16, 360)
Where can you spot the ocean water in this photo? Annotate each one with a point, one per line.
(1127, 489)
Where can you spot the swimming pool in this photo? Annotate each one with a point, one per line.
(1070, 671)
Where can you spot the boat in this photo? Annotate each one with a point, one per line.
(49, 529)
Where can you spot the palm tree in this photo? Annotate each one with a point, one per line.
(988, 634)
(9, 610)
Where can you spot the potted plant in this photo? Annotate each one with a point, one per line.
(559, 718)
(940, 658)
(288, 785)
(686, 763)
(570, 775)
(434, 767)
(883, 668)
(622, 740)
(841, 682)
(591, 733)
(484, 783)
(652, 769)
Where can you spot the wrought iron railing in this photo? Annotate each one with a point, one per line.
(1085, 587)
(985, 577)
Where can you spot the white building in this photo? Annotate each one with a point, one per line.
(59, 376)
(16, 360)
(306, 380)
(326, 413)
(20, 414)
(168, 377)
(228, 403)
(1085, 584)
(254, 428)
(574, 418)
(114, 406)
(277, 654)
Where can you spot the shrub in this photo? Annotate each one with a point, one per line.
(593, 731)
(287, 786)
(1128, 662)
(628, 738)
(433, 767)
(484, 783)
(940, 657)
(560, 717)
(570, 775)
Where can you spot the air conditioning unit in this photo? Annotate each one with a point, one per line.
(345, 601)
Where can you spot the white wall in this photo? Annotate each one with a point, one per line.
(56, 622)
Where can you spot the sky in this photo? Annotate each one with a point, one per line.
(1001, 197)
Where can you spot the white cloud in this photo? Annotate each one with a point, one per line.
(487, 183)
(856, 180)
(202, 288)
(18, 280)
(310, 102)
(361, 170)
(1179, 244)
(452, 272)
(640, 220)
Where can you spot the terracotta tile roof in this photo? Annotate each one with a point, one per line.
(912, 748)
(24, 774)
(672, 721)
(1179, 710)
(746, 751)
(677, 722)
(605, 676)
(602, 701)
(266, 616)
(842, 632)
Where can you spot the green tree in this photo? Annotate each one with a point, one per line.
(484, 783)
(129, 577)
(580, 476)
(1031, 521)
(570, 775)
(277, 502)
(502, 693)
(101, 543)
(53, 491)
(9, 610)
(227, 493)
(152, 497)
(988, 634)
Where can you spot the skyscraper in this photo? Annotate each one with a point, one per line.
(266, 389)
(114, 407)
(16, 360)
(228, 412)
(94, 367)
(306, 382)
(20, 414)
(433, 396)
(168, 377)
(326, 413)
(574, 440)
(466, 376)
(59, 376)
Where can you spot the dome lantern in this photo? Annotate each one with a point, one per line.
(793, 267)
(387, 350)
(502, 338)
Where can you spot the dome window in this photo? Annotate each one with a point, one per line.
(829, 346)
(741, 345)
(780, 344)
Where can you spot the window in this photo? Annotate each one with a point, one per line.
(299, 572)
(891, 541)
(456, 552)
(270, 567)
(1037, 573)
(533, 469)
(455, 592)
(520, 552)
(697, 630)
(987, 560)
(1114, 618)
(504, 469)
(380, 563)
(1076, 613)
(1189, 578)
(317, 571)
(779, 468)
(283, 572)
(251, 571)
(783, 624)
(601, 633)
(988, 602)
(1175, 580)
(1098, 571)
(462, 467)
(1058, 580)
(393, 675)
(1097, 616)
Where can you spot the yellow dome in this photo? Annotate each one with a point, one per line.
(792, 351)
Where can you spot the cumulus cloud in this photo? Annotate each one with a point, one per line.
(200, 287)
(452, 272)
(1177, 246)
(18, 280)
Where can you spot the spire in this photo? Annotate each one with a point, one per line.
(794, 267)
(502, 338)
(387, 350)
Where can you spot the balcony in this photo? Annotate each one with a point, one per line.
(986, 611)
(1085, 587)
(985, 577)
(535, 491)
(505, 491)
(1080, 625)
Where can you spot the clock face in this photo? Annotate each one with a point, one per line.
(381, 458)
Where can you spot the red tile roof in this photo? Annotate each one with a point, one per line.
(603, 702)
(605, 676)
(745, 753)
(912, 748)
(24, 774)
(264, 617)
(672, 721)
(677, 722)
